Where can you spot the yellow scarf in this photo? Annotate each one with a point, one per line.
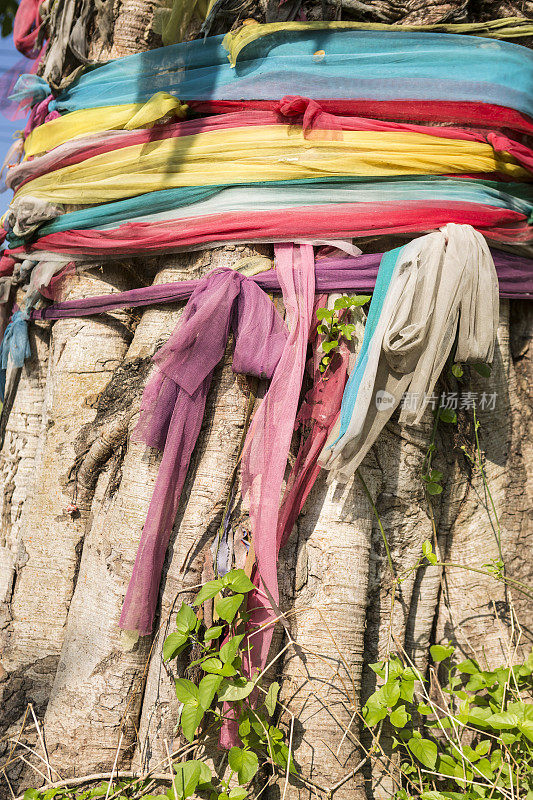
(263, 153)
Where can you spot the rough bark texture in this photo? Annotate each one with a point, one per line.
(63, 578)
(83, 356)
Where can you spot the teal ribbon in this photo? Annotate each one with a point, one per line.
(15, 346)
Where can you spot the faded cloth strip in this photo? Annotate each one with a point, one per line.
(173, 406)
(515, 275)
(253, 153)
(236, 41)
(316, 417)
(15, 347)
(340, 221)
(267, 444)
(189, 202)
(440, 285)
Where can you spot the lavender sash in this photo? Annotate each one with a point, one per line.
(173, 406)
(515, 275)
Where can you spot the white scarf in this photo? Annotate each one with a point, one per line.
(443, 282)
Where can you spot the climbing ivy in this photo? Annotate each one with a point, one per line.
(334, 327)
(467, 737)
(224, 695)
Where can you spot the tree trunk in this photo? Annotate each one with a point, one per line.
(63, 576)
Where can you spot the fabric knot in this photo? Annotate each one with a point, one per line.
(502, 144)
(30, 89)
(316, 123)
(173, 404)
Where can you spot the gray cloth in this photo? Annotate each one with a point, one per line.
(443, 283)
(26, 214)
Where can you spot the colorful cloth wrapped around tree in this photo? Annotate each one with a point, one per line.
(187, 202)
(315, 121)
(436, 288)
(285, 169)
(254, 153)
(253, 147)
(338, 66)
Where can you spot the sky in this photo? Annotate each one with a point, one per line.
(9, 58)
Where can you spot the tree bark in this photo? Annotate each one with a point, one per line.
(63, 577)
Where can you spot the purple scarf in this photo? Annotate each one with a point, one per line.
(173, 406)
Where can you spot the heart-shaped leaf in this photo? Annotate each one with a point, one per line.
(174, 644)
(448, 415)
(244, 763)
(229, 650)
(390, 693)
(187, 778)
(208, 591)
(213, 665)
(440, 653)
(238, 793)
(213, 633)
(457, 371)
(234, 690)
(424, 750)
(427, 549)
(483, 369)
(272, 698)
(227, 607)
(399, 717)
(191, 716)
(186, 691)
(327, 346)
(239, 581)
(504, 721)
(207, 689)
(186, 619)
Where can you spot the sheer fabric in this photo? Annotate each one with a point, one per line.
(26, 27)
(266, 448)
(332, 274)
(191, 202)
(258, 153)
(388, 64)
(173, 405)
(310, 223)
(14, 347)
(480, 114)
(59, 129)
(316, 417)
(430, 290)
(236, 42)
(315, 121)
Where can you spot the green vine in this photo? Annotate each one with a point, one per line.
(458, 731)
(224, 695)
(467, 737)
(332, 325)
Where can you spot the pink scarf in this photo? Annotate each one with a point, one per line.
(267, 445)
